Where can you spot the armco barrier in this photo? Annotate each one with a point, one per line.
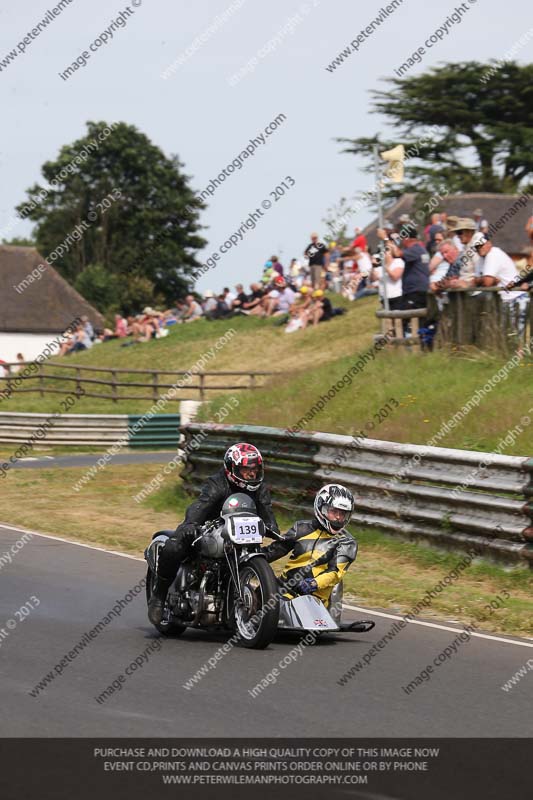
(92, 430)
(494, 512)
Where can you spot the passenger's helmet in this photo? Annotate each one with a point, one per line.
(243, 456)
(334, 496)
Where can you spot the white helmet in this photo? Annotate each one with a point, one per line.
(334, 496)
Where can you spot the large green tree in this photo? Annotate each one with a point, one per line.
(479, 122)
(136, 216)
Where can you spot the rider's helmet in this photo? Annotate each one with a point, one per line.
(238, 504)
(334, 505)
(243, 465)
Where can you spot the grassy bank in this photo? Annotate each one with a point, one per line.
(387, 574)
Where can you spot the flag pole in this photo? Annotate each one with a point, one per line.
(377, 167)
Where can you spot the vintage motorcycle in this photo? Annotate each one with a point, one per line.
(227, 583)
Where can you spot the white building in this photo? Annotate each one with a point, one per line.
(36, 304)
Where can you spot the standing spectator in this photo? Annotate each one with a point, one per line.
(525, 270)
(465, 228)
(495, 267)
(18, 366)
(360, 240)
(394, 266)
(318, 256)
(529, 228)
(446, 274)
(194, 309)
(482, 225)
(434, 228)
(415, 278)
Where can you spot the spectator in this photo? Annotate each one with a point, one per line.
(194, 309)
(434, 228)
(18, 366)
(465, 229)
(229, 297)
(450, 261)
(394, 266)
(241, 297)
(482, 225)
(415, 278)
(359, 241)
(529, 228)
(318, 256)
(280, 299)
(88, 327)
(276, 266)
(121, 327)
(495, 267)
(320, 309)
(525, 271)
(254, 303)
(81, 340)
(210, 304)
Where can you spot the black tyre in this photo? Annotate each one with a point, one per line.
(166, 627)
(256, 617)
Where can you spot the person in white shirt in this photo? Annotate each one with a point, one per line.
(495, 267)
(394, 267)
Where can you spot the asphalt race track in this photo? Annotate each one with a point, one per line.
(76, 586)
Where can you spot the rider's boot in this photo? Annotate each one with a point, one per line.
(157, 600)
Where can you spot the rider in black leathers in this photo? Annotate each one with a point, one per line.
(242, 472)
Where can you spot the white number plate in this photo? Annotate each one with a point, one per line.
(247, 530)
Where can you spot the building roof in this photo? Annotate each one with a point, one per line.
(46, 303)
(502, 208)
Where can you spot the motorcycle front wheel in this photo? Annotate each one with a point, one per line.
(255, 616)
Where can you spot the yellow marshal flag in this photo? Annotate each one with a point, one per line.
(395, 157)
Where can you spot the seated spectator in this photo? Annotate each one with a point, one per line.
(280, 299)
(194, 310)
(121, 327)
(241, 297)
(80, 341)
(88, 327)
(209, 305)
(276, 266)
(229, 297)
(254, 303)
(320, 309)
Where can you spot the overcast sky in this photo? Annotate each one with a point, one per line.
(207, 119)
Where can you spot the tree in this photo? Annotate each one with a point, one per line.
(114, 199)
(468, 126)
(19, 241)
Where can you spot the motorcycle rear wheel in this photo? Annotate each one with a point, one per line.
(255, 628)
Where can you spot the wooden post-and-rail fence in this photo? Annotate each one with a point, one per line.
(46, 378)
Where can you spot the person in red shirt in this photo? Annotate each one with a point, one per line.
(360, 241)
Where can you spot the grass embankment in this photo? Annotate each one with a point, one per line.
(387, 574)
(429, 388)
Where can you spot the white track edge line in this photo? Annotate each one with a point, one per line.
(69, 541)
(436, 625)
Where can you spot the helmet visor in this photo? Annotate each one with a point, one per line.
(337, 517)
(252, 473)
